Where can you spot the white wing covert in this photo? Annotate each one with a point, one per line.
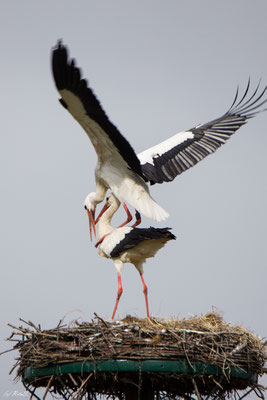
(163, 162)
(78, 98)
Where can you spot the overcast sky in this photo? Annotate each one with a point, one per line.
(157, 68)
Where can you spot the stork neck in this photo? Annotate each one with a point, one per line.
(103, 226)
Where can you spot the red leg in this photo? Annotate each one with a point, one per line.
(145, 293)
(118, 295)
(138, 219)
(129, 216)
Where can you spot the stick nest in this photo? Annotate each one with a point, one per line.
(207, 339)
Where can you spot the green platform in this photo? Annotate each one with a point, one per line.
(180, 367)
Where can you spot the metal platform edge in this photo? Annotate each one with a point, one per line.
(181, 367)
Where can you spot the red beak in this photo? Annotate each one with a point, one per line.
(91, 216)
(101, 213)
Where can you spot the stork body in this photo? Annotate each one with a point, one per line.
(128, 245)
(118, 166)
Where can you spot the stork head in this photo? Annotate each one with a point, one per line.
(90, 206)
(90, 201)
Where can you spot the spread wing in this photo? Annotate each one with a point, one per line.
(163, 162)
(78, 98)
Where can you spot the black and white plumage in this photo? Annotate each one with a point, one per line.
(163, 162)
(127, 244)
(118, 167)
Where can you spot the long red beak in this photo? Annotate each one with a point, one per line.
(101, 213)
(91, 216)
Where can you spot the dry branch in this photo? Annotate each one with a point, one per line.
(206, 339)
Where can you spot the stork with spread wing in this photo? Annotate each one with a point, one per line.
(118, 166)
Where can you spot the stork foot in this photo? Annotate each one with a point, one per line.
(138, 219)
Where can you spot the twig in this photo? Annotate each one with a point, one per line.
(217, 383)
(104, 322)
(135, 339)
(48, 386)
(7, 351)
(258, 392)
(73, 380)
(30, 324)
(82, 385)
(196, 388)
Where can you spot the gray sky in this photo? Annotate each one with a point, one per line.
(157, 68)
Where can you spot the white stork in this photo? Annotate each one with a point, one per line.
(118, 167)
(127, 245)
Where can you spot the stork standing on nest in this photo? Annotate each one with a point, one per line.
(127, 244)
(118, 166)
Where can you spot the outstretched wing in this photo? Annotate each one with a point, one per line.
(78, 98)
(163, 162)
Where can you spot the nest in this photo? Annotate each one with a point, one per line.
(205, 340)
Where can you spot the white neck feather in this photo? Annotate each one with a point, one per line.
(103, 226)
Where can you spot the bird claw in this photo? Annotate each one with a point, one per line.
(138, 219)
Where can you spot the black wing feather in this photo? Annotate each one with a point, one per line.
(68, 76)
(207, 138)
(138, 235)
